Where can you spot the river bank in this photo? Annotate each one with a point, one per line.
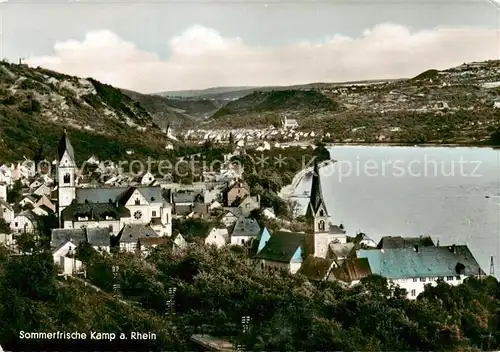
(288, 191)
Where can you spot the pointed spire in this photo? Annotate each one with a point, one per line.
(316, 197)
(65, 146)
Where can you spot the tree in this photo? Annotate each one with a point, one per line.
(15, 193)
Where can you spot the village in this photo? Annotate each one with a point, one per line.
(136, 213)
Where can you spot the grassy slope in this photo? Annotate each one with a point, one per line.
(37, 105)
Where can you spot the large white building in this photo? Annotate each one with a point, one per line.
(414, 267)
(111, 207)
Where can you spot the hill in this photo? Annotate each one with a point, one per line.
(456, 105)
(163, 111)
(202, 93)
(303, 100)
(38, 104)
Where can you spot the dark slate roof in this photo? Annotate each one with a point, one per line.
(152, 194)
(388, 242)
(426, 262)
(133, 232)
(336, 230)
(94, 211)
(65, 145)
(282, 246)
(98, 237)
(185, 196)
(61, 236)
(351, 269)
(246, 227)
(101, 194)
(315, 268)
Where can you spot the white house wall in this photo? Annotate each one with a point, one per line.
(21, 224)
(415, 286)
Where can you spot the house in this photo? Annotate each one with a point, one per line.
(284, 250)
(248, 204)
(230, 217)
(316, 269)
(148, 178)
(183, 202)
(236, 193)
(148, 243)
(289, 124)
(214, 206)
(412, 268)
(3, 191)
(244, 230)
(66, 249)
(6, 211)
(128, 239)
(41, 210)
(391, 242)
(350, 271)
(42, 190)
(217, 237)
(24, 222)
(268, 213)
(98, 238)
(28, 201)
(112, 207)
(45, 201)
(340, 251)
(178, 242)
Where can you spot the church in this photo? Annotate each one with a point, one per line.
(107, 207)
(290, 250)
(321, 233)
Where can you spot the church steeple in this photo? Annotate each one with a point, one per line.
(316, 196)
(65, 147)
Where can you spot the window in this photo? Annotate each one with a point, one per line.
(153, 214)
(262, 265)
(457, 277)
(422, 279)
(414, 279)
(242, 241)
(137, 202)
(413, 293)
(321, 225)
(449, 278)
(66, 179)
(16, 224)
(321, 213)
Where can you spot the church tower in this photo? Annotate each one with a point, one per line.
(317, 217)
(66, 174)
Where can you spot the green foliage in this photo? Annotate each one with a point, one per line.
(279, 100)
(192, 228)
(15, 193)
(495, 139)
(4, 227)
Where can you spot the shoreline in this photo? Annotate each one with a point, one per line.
(422, 145)
(288, 191)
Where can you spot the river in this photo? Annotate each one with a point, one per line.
(450, 194)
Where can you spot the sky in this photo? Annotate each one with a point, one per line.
(155, 46)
